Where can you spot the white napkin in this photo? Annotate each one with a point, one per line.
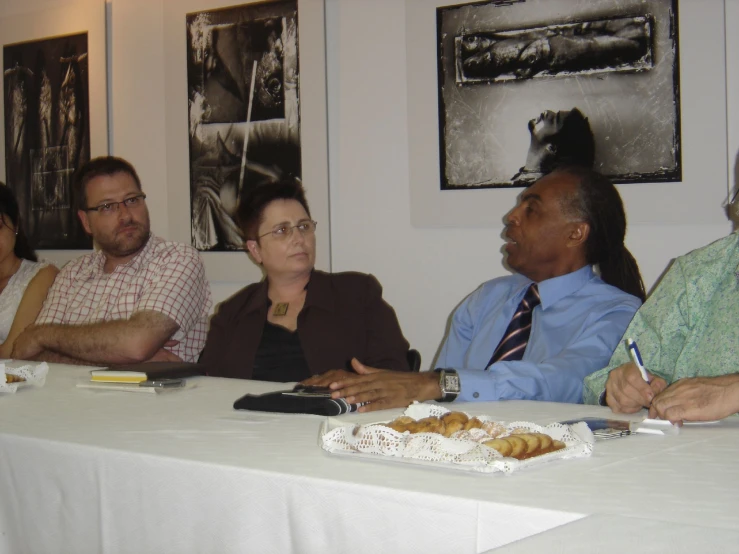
(34, 375)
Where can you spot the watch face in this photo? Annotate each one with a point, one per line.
(451, 383)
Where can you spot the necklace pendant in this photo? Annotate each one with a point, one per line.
(280, 308)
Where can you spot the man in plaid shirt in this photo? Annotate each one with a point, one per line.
(135, 298)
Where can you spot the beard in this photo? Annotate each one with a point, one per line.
(127, 239)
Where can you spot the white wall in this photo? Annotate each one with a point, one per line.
(425, 271)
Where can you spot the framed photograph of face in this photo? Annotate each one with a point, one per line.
(503, 115)
(524, 86)
(54, 109)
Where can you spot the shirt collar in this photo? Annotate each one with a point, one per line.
(136, 262)
(98, 259)
(555, 289)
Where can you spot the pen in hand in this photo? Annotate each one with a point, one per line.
(636, 358)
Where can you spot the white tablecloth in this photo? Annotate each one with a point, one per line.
(614, 534)
(112, 472)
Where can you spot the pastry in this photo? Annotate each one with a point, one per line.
(432, 425)
(533, 443)
(451, 417)
(502, 446)
(397, 426)
(493, 428)
(13, 378)
(546, 441)
(473, 423)
(518, 445)
(452, 427)
(523, 446)
(400, 424)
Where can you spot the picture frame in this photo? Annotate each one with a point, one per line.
(65, 45)
(702, 189)
(236, 265)
(520, 89)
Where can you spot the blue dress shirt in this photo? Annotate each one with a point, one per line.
(574, 332)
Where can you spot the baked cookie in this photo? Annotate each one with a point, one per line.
(533, 443)
(502, 446)
(473, 423)
(518, 445)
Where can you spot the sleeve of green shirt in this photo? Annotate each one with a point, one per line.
(659, 328)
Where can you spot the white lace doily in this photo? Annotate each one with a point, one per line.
(462, 452)
(34, 375)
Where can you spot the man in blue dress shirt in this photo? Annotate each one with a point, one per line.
(563, 226)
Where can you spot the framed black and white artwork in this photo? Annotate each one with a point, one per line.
(243, 111)
(54, 115)
(596, 85)
(246, 105)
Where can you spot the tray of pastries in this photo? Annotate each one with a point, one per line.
(428, 434)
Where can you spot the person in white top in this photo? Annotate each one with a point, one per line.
(24, 282)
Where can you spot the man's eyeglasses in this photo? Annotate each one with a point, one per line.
(112, 207)
(284, 231)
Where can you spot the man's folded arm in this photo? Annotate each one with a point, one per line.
(109, 342)
(53, 357)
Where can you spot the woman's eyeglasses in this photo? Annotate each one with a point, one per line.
(285, 231)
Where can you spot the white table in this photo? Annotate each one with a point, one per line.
(622, 534)
(112, 472)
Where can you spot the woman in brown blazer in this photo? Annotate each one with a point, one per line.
(298, 322)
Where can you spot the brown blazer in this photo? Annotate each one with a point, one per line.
(344, 316)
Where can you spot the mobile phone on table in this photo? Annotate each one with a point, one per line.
(163, 383)
(311, 389)
(604, 428)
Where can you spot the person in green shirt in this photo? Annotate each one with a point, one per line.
(688, 336)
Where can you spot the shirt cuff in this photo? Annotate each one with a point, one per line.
(475, 385)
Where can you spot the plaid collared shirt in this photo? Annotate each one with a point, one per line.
(166, 277)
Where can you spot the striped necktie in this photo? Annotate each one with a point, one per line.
(516, 336)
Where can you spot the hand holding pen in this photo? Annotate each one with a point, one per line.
(636, 358)
(628, 391)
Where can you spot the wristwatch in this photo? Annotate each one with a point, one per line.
(449, 384)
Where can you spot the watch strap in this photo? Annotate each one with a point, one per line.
(449, 384)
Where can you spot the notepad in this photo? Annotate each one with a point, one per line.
(121, 387)
(146, 371)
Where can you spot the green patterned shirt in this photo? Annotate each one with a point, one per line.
(689, 326)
